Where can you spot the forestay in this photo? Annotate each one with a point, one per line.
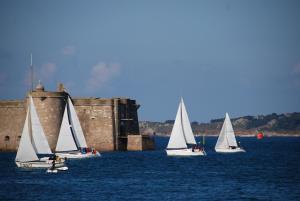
(26, 151)
(177, 140)
(39, 139)
(65, 140)
(78, 133)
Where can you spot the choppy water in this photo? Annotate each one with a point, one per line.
(269, 170)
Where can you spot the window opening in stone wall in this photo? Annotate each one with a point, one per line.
(6, 138)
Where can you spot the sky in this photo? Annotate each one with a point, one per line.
(235, 56)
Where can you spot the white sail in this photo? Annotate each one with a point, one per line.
(65, 140)
(177, 140)
(26, 151)
(222, 142)
(229, 132)
(39, 139)
(226, 137)
(79, 136)
(186, 125)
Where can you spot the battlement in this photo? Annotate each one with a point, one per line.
(12, 103)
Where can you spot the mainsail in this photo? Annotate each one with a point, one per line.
(26, 151)
(78, 133)
(40, 142)
(226, 137)
(65, 140)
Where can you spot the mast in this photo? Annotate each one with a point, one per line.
(31, 73)
(225, 121)
(182, 121)
(30, 125)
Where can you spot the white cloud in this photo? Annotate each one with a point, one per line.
(102, 73)
(47, 71)
(69, 50)
(297, 68)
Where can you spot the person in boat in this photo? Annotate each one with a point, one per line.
(58, 159)
(93, 151)
(53, 165)
(52, 157)
(83, 150)
(200, 148)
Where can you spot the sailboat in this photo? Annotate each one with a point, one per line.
(182, 141)
(71, 141)
(33, 141)
(226, 142)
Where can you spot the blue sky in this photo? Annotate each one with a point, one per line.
(236, 56)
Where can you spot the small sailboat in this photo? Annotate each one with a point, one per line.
(71, 141)
(33, 141)
(182, 141)
(226, 142)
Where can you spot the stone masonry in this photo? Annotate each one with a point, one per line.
(106, 123)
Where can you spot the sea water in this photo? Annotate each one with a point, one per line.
(269, 170)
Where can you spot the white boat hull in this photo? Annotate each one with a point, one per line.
(185, 152)
(78, 155)
(236, 150)
(37, 164)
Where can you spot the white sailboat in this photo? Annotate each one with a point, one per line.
(71, 141)
(33, 141)
(226, 142)
(182, 136)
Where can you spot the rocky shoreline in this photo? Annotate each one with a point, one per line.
(287, 124)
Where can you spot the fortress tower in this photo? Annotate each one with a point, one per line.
(50, 108)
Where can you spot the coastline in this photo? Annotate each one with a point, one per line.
(243, 135)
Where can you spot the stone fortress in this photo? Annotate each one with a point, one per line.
(108, 124)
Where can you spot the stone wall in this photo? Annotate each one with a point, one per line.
(97, 120)
(140, 143)
(12, 118)
(106, 123)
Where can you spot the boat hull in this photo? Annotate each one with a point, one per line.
(236, 150)
(185, 152)
(78, 155)
(37, 164)
(47, 160)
